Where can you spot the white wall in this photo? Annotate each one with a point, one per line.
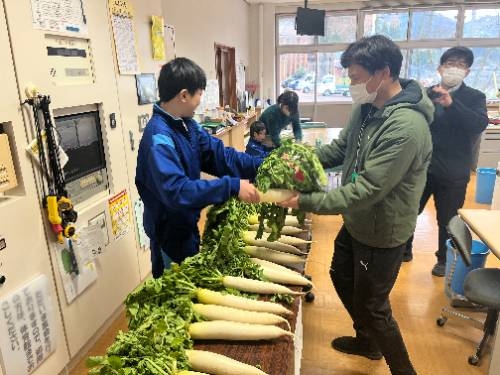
(201, 23)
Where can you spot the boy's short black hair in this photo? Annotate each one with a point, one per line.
(256, 127)
(179, 74)
(290, 99)
(459, 52)
(374, 53)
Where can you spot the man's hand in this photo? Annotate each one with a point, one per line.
(248, 192)
(292, 202)
(444, 98)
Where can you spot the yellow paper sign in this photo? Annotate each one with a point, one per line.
(121, 8)
(157, 39)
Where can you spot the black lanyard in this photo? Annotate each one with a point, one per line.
(367, 118)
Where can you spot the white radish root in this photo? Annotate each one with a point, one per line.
(235, 331)
(279, 274)
(287, 229)
(256, 286)
(216, 312)
(294, 241)
(274, 255)
(275, 195)
(187, 372)
(218, 364)
(249, 239)
(216, 298)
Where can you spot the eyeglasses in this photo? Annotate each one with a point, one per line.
(456, 64)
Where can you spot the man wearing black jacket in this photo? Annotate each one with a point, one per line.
(459, 119)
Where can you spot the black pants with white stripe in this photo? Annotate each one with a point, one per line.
(363, 277)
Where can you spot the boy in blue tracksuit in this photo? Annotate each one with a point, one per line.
(255, 147)
(173, 152)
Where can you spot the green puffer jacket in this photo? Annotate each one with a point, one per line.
(380, 208)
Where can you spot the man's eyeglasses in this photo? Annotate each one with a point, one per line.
(456, 64)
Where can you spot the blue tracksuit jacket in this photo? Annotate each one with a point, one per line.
(255, 148)
(172, 153)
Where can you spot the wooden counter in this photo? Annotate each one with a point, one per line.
(234, 136)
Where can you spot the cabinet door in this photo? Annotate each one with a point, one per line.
(89, 299)
(25, 256)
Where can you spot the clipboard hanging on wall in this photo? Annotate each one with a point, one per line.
(122, 22)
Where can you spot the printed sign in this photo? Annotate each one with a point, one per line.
(119, 210)
(27, 327)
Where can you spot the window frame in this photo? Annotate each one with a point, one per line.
(407, 44)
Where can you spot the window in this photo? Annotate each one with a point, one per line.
(287, 33)
(482, 23)
(485, 71)
(423, 65)
(434, 24)
(339, 29)
(311, 65)
(393, 25)
(297, 72)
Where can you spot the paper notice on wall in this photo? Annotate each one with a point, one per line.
(119, 210)
(76, 272)
(89, 243)
(27, 327)
(122, 22)
(59, 15)
(170, 42)
(139, 212)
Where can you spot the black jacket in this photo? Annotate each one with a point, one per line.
(454, 132)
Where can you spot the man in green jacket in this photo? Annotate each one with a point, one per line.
(384, 151)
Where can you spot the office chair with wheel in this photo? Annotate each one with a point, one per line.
(481, 286)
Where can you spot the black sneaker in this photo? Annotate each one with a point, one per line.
(407, 257)
(353, 345)
(439, 269)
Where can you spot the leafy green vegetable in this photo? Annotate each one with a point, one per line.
(291, 166)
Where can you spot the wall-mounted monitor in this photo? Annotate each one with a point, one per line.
(310, 21)
(80, 137)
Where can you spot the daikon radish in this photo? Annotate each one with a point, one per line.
(287, 229)
(274, 255)
(235, 331)
(218, 364)
(216, 298)
(279, 274)
(289, 220)
(275, 195)
(216, 312)
(187, 372)
(294, 241)
(249, 239)
(256, 286)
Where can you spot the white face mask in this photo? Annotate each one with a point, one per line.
(360, 95)
(452, 76)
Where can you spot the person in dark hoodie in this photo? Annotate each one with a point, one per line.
(460, 117)
(279, 115)
(173, 152)
(255, 145)
(384, 151)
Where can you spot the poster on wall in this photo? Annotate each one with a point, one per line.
(59, 15)
(157, 37)
(170, 42)
(28, 333)
(122, 22)
(76, 268)
(119, 211)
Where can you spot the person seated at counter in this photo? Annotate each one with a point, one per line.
(255, 145)
(279, 115)
(173, 152)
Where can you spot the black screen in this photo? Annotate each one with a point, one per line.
(310, 21)
(81, 139)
